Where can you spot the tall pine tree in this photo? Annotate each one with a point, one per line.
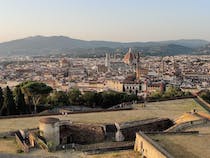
(9, 107)
(1, 99)
(20, 101)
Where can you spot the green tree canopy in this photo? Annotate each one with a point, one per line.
(75, 97)
(205, 95)
(9, 107)
(156, 95)
(58, 98)
(91, 99)
(1, 98)
(173, 92)
(35, 91)
(20, 101)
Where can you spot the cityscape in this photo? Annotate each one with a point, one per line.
(100, 74)
(140, 91)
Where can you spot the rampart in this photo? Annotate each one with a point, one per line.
(148, 148)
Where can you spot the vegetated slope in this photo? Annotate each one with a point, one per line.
(42, 45)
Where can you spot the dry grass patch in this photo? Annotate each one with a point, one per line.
(117, 154)
(167, 109)
(8, 145)
(185, 146)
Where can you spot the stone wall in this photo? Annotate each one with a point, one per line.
(147, 148)
(21, 142)
(81, 134)
(129, 133)
(203, 103)
(186, 125)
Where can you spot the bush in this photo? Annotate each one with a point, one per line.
(19, 151)
(58, 98)
(205, 95)
(171, 92)
(106, 99)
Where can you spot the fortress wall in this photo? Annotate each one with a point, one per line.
(82, 133)
(148, 148)
(159, 125)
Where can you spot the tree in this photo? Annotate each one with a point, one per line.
(110, 98)
(58, 98)
(9, 107)
(156, 95)
(91, 98)
(205, 95)
(132, 97)
(35, 91)
(20, 101)
(1, 98)
(173, 92)
(75, 97)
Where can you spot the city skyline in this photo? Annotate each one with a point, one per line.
(105, 78)
(123, 21)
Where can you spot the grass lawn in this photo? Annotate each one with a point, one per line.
(73, 154)
(202, 129)
(8, 145)
(167, 109)
(117, 154)
(185, 146)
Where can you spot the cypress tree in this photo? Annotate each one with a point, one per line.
(9, 107)
(20, 101)
(4, 111)
(1, 98)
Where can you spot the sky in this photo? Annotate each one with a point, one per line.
(109, 20)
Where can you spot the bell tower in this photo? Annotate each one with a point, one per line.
(138, 72)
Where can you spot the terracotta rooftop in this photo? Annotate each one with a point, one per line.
(129, 57)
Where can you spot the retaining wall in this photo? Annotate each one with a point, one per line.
(203, 103)
(186, 125)
(82, 133)
(156, 125)
(21, 142)
(148, 148)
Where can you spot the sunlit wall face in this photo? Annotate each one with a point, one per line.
(115, 20)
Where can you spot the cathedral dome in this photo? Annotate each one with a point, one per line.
(129, 57)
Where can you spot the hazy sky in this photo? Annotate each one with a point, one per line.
(115, 20)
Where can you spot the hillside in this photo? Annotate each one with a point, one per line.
(170, 49)
(41, 45)
(204, 50)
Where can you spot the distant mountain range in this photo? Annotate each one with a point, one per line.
(42, 45)
(205, 49)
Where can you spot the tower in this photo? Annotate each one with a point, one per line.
(162, 67)
(107, 61)
(174, 63)
(138, 74)
(177, 70)
(49, 129)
